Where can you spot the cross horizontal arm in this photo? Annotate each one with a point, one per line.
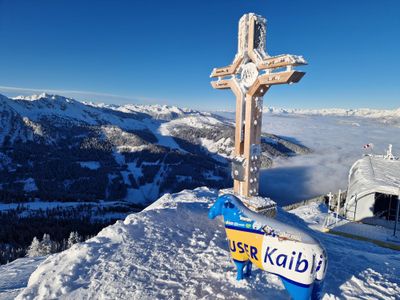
(222, 84)
(281, 61)
(281, 77)
(276, 78)
(232, 84)
(229, 70)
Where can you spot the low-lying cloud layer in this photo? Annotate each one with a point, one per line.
(337, 143)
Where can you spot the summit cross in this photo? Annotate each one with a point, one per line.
(250, 75)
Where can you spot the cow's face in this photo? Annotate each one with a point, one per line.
(216, 209)
(221, 206)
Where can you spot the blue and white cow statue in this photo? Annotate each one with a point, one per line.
(292, 254)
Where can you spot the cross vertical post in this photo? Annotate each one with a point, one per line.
(250, 75)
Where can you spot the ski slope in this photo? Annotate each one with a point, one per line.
(171, 250)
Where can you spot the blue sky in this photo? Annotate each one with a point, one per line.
(163, 51)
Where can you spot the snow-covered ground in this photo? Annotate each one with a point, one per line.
(171, 250)
(337, 142)
(14, 276)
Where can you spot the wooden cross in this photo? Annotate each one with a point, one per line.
(252, 73)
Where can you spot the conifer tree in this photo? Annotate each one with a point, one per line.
(34, 249)
(74, 238)
(46, 245)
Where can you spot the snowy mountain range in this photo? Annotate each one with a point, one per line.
(55, 148)
(171, 250)
(158, 112)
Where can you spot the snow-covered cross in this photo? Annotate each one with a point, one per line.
(251, 74)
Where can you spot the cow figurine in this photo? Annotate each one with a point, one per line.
(296, 257)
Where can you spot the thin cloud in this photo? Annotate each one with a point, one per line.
(85, 95)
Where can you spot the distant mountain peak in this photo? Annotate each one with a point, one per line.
(35, 97)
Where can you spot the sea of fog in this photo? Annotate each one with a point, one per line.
(336, 142)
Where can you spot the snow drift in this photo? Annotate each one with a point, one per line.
(172, 251)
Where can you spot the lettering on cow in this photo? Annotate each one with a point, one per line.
(241, 247)
(268, 255)
(253, 252)
(291, 260)
(281, 260)
(301, 262)
(273, 258)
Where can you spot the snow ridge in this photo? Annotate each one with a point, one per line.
(37, 107)
(171, 250)
(156, 111)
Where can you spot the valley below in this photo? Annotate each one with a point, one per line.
(71, 166)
